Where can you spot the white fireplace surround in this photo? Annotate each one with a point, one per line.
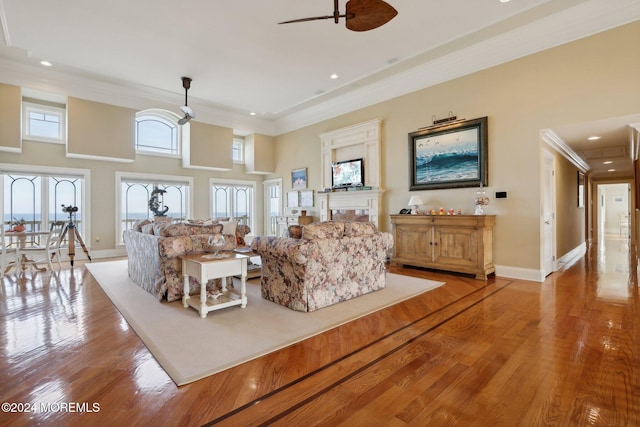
(368, 200)
(358, 141)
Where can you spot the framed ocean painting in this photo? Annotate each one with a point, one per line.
(452, 155)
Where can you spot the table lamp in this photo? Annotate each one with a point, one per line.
(414, 202)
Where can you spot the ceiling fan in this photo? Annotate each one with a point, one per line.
(188, 112)
(361, 15)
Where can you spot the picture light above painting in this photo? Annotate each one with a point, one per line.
(452, 155)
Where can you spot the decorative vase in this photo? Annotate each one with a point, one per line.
(303, 213)
(481, 201)
(19, 228)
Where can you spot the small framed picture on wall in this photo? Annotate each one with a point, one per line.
(299, 178)
(306, 199)
(293, 199)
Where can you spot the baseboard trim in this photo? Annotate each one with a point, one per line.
(519, 273)
(570, 257)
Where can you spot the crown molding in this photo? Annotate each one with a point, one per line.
(124, 95)
(555, 142)
(574, 23)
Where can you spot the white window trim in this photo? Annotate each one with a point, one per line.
(169, 117)
(123, 176)
(251, 184)
(61, 112)
(239, 142)
(85, 174)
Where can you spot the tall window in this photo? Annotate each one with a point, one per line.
(233, 199)
(158, 133)
(37, 194)
(43, 122)
(136, 190)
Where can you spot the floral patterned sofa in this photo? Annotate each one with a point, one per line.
(330, 262)
(154, 248)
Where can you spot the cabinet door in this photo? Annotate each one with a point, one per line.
(456, 246)
(413, 243)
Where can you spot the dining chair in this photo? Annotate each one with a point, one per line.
(623, 221)
(8, 255)
(39, 254)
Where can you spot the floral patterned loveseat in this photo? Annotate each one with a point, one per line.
(331, 262)
(154, 248)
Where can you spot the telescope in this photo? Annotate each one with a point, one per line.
(69, 209)
(73, 234)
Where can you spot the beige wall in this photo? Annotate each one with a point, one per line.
(10, 117)
(570, 222)
(590, 79)
(100, 130)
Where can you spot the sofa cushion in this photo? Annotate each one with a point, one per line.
(175, 246)
(356, 228)
(323, 230)
(167, 229)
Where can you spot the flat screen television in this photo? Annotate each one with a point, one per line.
(347, 173)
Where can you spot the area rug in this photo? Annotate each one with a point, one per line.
(190, 348)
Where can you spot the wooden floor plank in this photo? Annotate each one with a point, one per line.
(470, 353)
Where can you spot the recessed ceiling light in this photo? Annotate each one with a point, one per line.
(46, 63)
(608, 162)
(504, 1)
(253, 113)
(334, 76)
(611, 170)
(594, 138)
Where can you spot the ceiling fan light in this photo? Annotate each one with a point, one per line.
(188, 112)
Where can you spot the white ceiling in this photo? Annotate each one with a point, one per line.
(242, 61)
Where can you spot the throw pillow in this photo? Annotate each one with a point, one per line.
(229, 227)
(137, 226)
(147, 228)
(295, 231)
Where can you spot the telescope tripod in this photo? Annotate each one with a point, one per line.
(74, 234)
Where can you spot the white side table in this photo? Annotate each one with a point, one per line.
(205, 267)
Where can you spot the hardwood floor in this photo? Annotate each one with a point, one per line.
(470, 353)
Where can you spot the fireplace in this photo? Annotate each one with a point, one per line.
(360, 215)
(361, 140)
(363, 205)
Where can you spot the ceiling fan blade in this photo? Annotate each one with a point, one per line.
(315, 18)
(365, 15)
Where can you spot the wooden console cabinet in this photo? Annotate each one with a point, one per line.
(459, 243)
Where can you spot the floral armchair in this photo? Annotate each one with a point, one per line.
(331, 262)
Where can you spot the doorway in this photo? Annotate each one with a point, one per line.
(612, 211)
(272, 205)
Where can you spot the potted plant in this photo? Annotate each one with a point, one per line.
(19, 224)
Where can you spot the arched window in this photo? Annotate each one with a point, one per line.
(158, 133)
